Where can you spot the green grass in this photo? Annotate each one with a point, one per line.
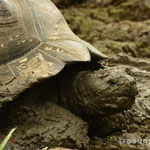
(3, 144)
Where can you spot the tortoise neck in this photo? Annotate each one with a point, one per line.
(74, 96)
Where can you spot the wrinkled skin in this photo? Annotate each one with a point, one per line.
(97, 92)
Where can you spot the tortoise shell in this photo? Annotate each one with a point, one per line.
(36, 41)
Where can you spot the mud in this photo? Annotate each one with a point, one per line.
(41, 123)
(10, 88)
(121, 30)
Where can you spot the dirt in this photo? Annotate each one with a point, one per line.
(121, 30)
(40, 123)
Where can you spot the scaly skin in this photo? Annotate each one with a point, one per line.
(95, 93)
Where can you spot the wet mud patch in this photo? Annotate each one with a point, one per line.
(41, 123)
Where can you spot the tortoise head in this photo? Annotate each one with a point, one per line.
(103, 92)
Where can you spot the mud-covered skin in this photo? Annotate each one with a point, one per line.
(95, 93)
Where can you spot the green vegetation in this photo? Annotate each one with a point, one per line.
(6, 139)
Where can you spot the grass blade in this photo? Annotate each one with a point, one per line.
(6, 139)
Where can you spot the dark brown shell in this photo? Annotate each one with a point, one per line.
(36, 41)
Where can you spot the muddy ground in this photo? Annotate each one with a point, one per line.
(121, 30)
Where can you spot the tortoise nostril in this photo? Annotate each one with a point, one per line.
(111, 82)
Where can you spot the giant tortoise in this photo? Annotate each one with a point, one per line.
(36, 42)
(36, 45)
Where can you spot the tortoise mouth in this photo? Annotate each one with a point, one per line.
(112, 105)
(122, 103)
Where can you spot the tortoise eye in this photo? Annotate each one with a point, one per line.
(111, 82)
